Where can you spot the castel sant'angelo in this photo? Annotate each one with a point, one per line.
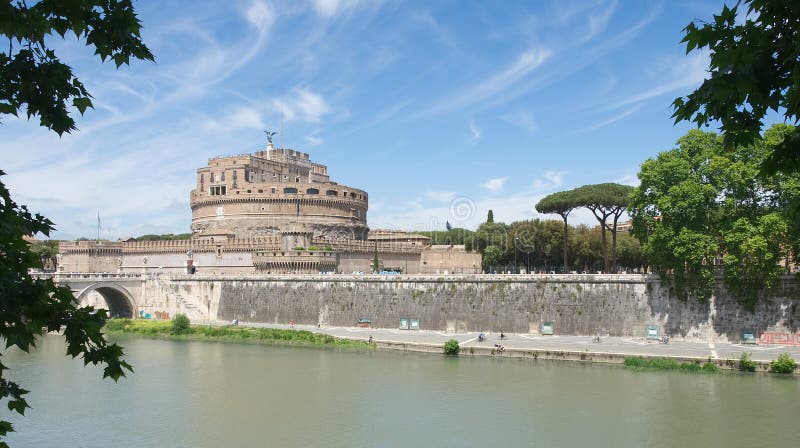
(272, 212)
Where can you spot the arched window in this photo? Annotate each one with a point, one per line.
(312, 191)
(331, 193)
(289, 190)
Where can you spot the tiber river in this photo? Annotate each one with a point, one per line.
(196, 394)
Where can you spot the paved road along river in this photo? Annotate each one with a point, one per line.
(626, 346)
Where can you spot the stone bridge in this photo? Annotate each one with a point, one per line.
(130, 295)
(121, 294)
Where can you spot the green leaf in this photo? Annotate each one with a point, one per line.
(5, 428)
(18, 405)
(81, 103)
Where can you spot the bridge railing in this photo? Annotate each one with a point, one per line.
(64, 276)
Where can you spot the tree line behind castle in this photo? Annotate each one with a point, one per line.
(703, 211)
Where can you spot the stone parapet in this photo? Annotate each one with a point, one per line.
(449, 278)
(297, 261)
(360, 246)
(201, 245)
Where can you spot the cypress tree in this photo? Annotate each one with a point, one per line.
(375, 260)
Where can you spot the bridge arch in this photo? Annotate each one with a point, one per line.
(118, 300)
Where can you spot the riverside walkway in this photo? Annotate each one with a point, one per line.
(624, 347)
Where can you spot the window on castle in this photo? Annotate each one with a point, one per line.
(331, 193)
(312, 191)
(222, 176)
(290, 190)
(217, 190)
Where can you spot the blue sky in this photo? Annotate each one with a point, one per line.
(440, 110)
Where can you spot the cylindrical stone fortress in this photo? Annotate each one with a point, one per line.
(256, 194)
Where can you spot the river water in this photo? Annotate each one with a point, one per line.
(198, 394)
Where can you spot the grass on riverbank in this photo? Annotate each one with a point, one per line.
(640, 364)
(164, 329)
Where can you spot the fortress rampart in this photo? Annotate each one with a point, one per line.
(614, 305)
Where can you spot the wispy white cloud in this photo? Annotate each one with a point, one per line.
(439, 32)
(207, 63)
(550, 180)
(620, 116)
(314, 139)
(495, 185)
(523, 119)
(685, 72)
(302, 104)
(593, 15)
(599, 18)
(330, 8)
(503, 80)
(239, 118)
(630, 178)
(474, 130)
(439, 196)
(260, 15)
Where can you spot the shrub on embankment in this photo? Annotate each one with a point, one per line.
(746, 364)
(451, 347)
(180, 324)
(669, 364)
(165, 329)
(784, 364)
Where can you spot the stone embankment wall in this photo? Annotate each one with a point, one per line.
(615, 305)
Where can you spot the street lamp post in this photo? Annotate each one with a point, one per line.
(516, 241)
